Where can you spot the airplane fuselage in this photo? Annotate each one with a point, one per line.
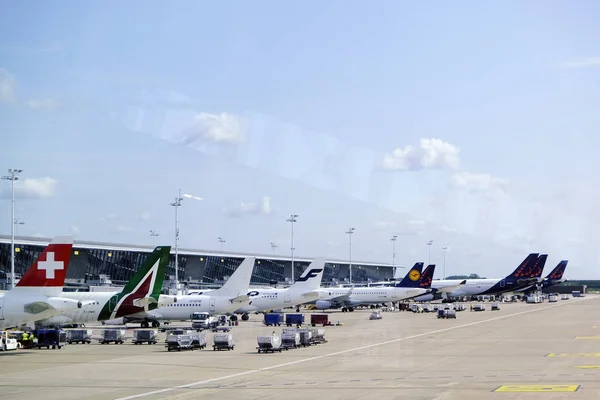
(187, 305)
(274, 299)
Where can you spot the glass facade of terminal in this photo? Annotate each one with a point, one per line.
(120, 265)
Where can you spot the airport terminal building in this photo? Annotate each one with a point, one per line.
(197, 268)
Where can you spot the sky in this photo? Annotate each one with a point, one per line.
(473, 125)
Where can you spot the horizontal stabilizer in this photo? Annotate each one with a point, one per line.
(240, 299)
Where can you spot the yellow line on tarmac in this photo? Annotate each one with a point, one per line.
(537, 388)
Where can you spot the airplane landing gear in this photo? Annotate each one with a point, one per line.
(245, 317)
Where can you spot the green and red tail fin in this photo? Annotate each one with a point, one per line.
(143, 289)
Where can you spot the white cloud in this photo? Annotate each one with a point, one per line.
(8, 85)
(430, 154)
(43, 104)
(587, 62)
(255, 208)
(75, 230)
(478, 182)
(220, 128)
(31, 188)
(144, 216)
(383, 225)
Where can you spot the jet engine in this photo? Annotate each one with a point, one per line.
(323, 305)
(425, 297)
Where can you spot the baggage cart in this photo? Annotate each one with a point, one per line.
(7, 341)
(199, 340)
(223, 341)
(290, 340)
(319, 319)
(294, 319)
(450, 314)
(149, 336)
(552, 298)
(375, 315)
(179, 342)
(317, 335)
(113, 336)
(272, 319)
(79, 336)
(495, 307)
(478, 307)
(55, 338)
(268, 344)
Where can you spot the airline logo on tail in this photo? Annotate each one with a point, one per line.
(557, 273)
(142, 292)
(50, 268)
(427, 277)
(414, 275)
(313, 273)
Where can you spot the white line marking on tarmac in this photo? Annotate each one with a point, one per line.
(254, 371)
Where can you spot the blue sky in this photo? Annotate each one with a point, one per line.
(470, 124)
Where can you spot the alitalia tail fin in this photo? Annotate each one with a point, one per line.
(151, 273)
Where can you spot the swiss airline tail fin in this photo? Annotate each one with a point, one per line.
(47, 274)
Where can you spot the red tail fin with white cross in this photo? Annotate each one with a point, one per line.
(50, 268)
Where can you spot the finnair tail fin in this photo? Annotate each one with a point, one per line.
(427, 277)
(413, 277)
(48, 272)
(558, 271)
(311, 277)
(238, 283)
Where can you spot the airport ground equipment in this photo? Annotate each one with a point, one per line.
(319, 319)
(564, 297)
(179, 342)
(272, 319)
(221, 329)
(79, 336)
(113, 336)
(203, 320)
(141, 336)
(446, 314)
(495, 307)
(416, 308)
(478, 307)
(223, 341)
(375, 315)
(533, 299)
(199, 340)
(55, 338)
(7, 342)
(552, 298)
(290, 340)
(306, 335)
(268, 344)
(460, 307)
(318, 335)
(294, 319)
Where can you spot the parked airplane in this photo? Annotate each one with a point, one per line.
(553, 278)
(39, 293)
(228, 298)
(304, 290)
(414, 284)
(142, 293)
(527, 273)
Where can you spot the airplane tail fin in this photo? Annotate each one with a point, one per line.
(49, 270)
(427, 277)
(149, 278)
(238, 283)
(558, 271)
(412, 278)
(311, 277)
(523, 268)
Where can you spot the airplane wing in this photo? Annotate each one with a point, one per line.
(342, 297)
(311, 295)
(54, 303)
(449, 289)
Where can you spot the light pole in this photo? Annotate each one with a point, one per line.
(18, 222)
(291, 220)
(350, 231)
(177, 204)
(429, 244)
(12, 178)
(221, 241)
(444, 249)
(153, 234)
(393, 239)
(273, 246)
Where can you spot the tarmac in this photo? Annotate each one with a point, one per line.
(522, 351)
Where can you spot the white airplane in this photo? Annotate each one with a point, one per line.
(304, 290)
(142, 293)
(228, 298)
(414, 284)
(39, 293)
(527, 273)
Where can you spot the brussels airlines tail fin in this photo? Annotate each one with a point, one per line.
(143, 291)
(558, 271)
(522, 270)
(47, 274)
(412, 278)
(427, 277)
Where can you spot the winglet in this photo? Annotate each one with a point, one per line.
(50, 268)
